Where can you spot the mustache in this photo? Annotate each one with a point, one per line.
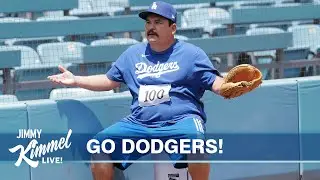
(151, 32)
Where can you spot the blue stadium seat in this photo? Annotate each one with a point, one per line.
(56, 18)
(8, 98)
(84, 38)
(264, 57)
(260, 31)
(53, 14)
(284, 25)
(13, 19)
(180, 37)
(9, 20)
(72, 93)
(206, 18)
(29, 59)
(91, 8)
(84, 9)
(179, 7)
(109, 7)
(31, 69)
(31, 42)
(114, 41)
(254, 3)
(60, 53)
(67, 54)
(191, 32)
(103, 67)
(292, 54)
(307, 35)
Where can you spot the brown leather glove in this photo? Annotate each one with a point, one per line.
(240, 80)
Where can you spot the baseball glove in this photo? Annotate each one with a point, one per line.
(240, 80)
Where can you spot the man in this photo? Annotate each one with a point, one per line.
(166, 78)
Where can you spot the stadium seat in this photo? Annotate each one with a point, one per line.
(109, 7)
(180, 37)
(264, 57)
(13, 19)
(67, 93)
(90, 8)
(179, 7)
(84, 8)
(29, 57)
(207, 18)
(307, 35)
(103, 67)
(83, 38)
(292, 54)
(114, 41)
(61, 52)
(33, 42)
(62, 18)
(260, 31)
(31, 69)
(284, 25)
(8, 98)
(191, 32)
(255, 3)
(56, 18)
(53, 14)
(68, 54)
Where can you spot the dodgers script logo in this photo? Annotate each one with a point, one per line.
(39, 150)
(154, 5)
(143, 70)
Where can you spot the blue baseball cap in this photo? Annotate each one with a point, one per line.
(160, 8)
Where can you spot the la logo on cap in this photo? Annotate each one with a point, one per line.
(154, 5)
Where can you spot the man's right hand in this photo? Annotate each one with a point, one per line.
(94, 82)
(65, 78)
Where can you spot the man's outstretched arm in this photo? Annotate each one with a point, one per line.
(94, 82)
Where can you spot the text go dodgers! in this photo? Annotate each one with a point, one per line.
(157, 146)
(37, 150)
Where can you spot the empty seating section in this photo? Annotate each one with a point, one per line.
(264, 57)
(206, 18)
(198, 20)
(61, 52)
(70, 93)
(307, 35)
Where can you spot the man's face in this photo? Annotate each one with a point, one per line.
(157, 29)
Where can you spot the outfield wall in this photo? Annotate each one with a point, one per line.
(278, 106)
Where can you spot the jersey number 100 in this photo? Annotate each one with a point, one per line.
(151, 95)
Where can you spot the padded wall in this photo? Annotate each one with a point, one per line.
(12, 118)
(270, 109)
(278, 106)
(309, 103)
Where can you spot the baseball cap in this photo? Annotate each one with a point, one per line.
(161, 8)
